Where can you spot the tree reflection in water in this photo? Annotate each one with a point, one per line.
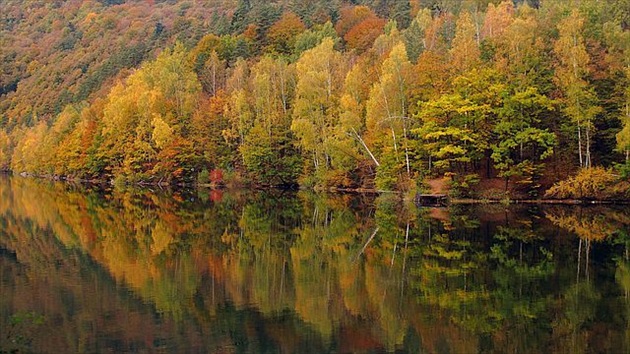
(226, 271)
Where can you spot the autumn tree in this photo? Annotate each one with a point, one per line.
(361, 36)
(282, 34)
(149, 114)
(315, 110)
(387, 114)
(580, 99)
(353, 102)
(465, 47)
(237, 109)
(498, 19)
(618, 42)
(212, 76)
(351, 16)
(267, 149)
(29, 154)
(5, 153)
(207, 125)
(63, 141)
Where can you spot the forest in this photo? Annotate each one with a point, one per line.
(499, 98)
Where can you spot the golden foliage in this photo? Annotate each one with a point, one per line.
(588, 183)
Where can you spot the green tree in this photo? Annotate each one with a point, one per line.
(522, 145)
(459, 124)
(311, 38)
(414, 35)
(618, 42)
(241, 16)
(267, 149)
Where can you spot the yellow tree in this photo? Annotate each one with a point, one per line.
(465, 47)
(239, 114)
(623, 137)
(315, 110)
(212, 76)
(147, 113)
(580, 100)
(62, 140)
(618, 42)
(71, 154)
(353, 101)
(29, 154)
(517, 46)
(387, 113)
(5, 154)
(497, 20)
(237, 108)
(271, 86)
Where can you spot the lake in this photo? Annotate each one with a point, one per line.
(91, 270)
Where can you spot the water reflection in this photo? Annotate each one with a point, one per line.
(201, 271)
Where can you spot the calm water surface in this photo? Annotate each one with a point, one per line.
(90, 271)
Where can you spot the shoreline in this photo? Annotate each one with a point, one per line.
(449, 200)
(581, 202)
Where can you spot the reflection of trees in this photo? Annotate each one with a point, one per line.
(42, 276)
(323, 259)
(283, 270)
(524, 263)
(589, 225)
(592, 226)
(499, 291)
(445, 279)
(578, 308)
(622, 277)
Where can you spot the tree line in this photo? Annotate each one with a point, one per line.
(529, 94)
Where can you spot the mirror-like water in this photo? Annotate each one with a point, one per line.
(267, 272)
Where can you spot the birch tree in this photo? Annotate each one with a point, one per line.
(580, 100)
(315, 110)
(388, 106)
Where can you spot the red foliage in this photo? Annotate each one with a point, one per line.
(251, 32)
(216, 195)
(361, 36)
(352, 16)
(216, 176)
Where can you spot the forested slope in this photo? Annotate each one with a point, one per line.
(362, 94)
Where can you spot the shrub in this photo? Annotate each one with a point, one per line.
(463, 186)
(203, 177)
(588, 183)
(624, 170)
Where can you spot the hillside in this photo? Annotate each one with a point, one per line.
(345, 94)
(60, 52)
